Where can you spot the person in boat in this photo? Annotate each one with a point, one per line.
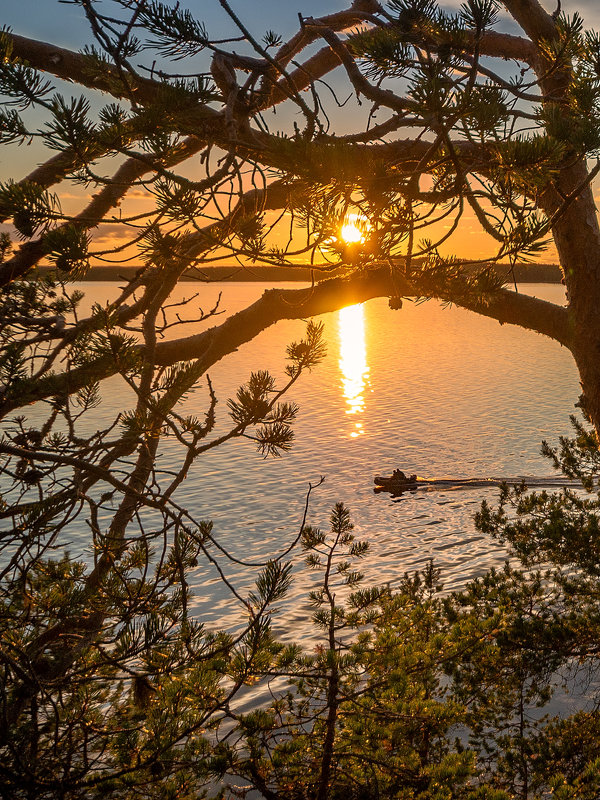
(400, 477)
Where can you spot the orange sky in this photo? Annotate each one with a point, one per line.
(64, 24)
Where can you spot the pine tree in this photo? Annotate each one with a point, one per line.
(108, 685)
(508, 145)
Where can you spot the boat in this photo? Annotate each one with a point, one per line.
(396, 482)
(399, 482)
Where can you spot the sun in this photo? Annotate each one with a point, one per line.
(353, 229)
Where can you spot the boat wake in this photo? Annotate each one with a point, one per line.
(398, 483)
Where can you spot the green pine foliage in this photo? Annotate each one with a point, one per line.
(109, 687)
(414, 693)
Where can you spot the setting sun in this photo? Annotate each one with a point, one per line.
(353, 229)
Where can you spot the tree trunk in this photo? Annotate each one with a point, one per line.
(577, 236)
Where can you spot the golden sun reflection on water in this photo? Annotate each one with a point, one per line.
(353, 361)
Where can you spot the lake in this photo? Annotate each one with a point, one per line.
(437, 391)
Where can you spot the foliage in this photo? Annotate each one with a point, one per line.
(108, 686)
(411, 693)
(414, 693)
(107, 682)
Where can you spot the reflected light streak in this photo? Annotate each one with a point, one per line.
(353, 361)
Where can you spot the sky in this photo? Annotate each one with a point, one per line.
(63, 25)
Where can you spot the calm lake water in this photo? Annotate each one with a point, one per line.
(437, 391)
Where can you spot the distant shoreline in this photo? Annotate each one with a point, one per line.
(524, 273)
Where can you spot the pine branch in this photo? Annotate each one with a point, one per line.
(211, 125)
(214, 344)
(492, 44)
(108, 198)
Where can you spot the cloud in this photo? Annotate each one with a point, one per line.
(588, 9)
(111, 235)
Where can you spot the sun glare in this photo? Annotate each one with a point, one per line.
(353, 229)
(353, 362)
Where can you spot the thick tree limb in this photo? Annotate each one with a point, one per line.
(56, 168)
(211, 125)
(71, 66)
(527, 312)
(53, 170)
(492, 44)
(339, 21)
(210, 346)
(533, 19)
(330, 295)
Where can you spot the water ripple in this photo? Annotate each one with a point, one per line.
(443, 392)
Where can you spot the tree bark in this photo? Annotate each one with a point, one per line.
(575, 226)
(210, 346)
(577, 237)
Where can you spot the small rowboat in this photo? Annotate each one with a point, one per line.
(398, 482)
